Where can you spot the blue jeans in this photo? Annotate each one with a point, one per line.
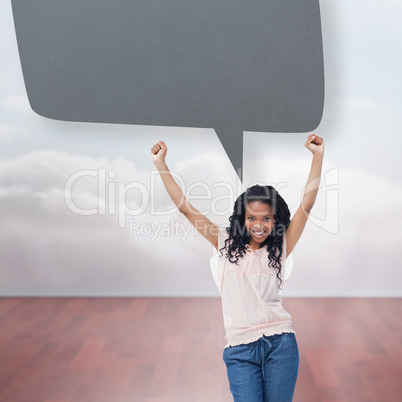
(263, 370)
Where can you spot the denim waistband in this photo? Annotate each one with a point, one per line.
(264, 338)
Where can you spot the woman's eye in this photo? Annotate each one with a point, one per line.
(268, 219)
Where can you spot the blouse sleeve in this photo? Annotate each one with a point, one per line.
(287, 263)
(217, 259)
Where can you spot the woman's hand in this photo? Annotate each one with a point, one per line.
(315, 144)
(158, 152)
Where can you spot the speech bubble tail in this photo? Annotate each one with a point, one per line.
(232, 142)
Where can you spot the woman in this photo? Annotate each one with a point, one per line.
(261, 354)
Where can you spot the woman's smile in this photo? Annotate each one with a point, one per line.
(259, 233)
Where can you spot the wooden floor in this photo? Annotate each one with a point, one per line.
(170, 349)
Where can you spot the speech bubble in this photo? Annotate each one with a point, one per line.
(231, 65)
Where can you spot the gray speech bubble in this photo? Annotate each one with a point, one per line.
(231, 65)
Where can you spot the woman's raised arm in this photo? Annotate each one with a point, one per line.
(315, 144)
(203, 225)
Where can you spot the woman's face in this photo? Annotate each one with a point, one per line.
(259, 222)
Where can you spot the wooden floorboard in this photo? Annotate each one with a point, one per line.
(170, 349)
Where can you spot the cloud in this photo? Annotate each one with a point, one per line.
(368, 15)
(47, 249)
(18, 103)
(362, 195)
(10, 132)
(361, 104)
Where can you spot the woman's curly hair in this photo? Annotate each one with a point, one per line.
(238, 234)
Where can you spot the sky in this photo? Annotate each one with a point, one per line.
(142, 246)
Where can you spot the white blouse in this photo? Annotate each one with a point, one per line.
(250, 294)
